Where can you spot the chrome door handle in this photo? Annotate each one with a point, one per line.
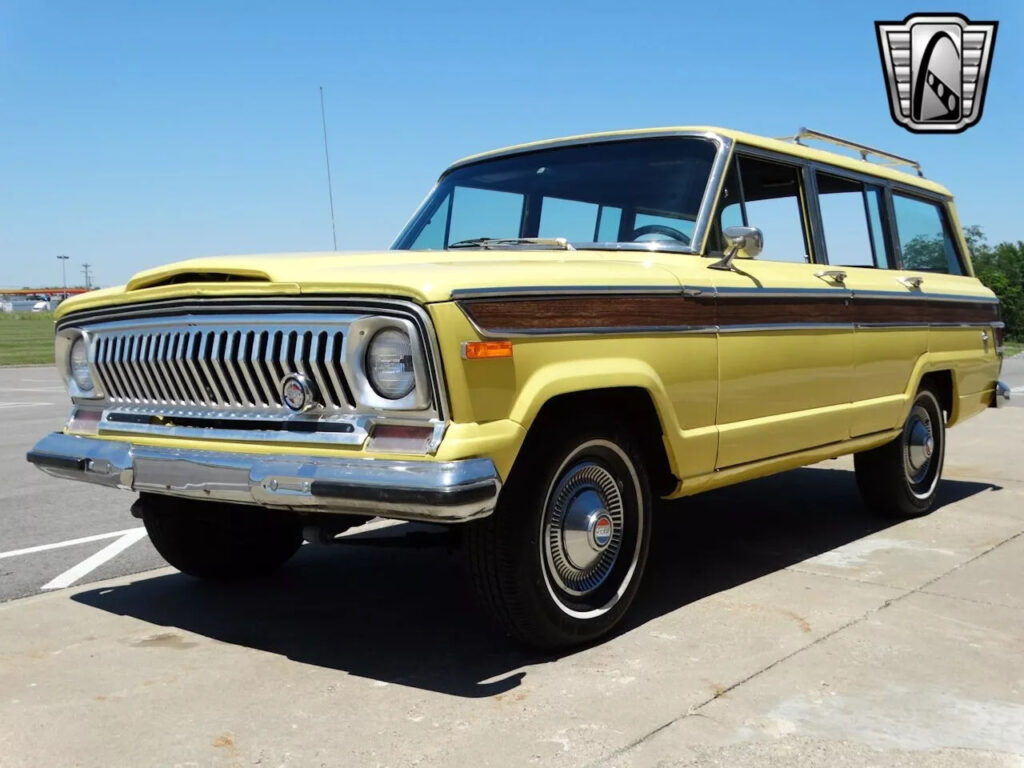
(913, 282)
(835, 275)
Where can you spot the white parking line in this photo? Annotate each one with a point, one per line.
(68, 543)
(34, 389)
(90, 564)
(8, 406)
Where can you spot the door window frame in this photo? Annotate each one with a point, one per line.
(942, 204)
(890, 244)
(809, 221)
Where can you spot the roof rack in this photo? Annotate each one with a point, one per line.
(864, 150)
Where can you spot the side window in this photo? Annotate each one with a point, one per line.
(767, 195)
(924, 236)
(852, 220)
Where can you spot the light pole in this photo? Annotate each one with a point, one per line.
(64, 271)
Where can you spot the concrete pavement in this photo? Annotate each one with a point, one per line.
(37, 510)
(779, 625)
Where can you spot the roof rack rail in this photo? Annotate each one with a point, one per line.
(864, 150)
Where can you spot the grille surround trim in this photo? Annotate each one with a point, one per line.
(215, 362)
(159, 358)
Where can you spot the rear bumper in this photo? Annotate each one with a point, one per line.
(450, 491)
(1001, 396)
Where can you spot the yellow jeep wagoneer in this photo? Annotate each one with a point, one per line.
(564, 333)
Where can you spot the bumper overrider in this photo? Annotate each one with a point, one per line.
(448, 491)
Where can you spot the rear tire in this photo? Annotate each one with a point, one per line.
(560, 560)
(221, 542)
(901, 478)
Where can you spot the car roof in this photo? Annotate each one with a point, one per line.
(800, 151)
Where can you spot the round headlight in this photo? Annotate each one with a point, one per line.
(389, 365)
(78, 362)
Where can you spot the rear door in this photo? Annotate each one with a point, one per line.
(890, 336)
(785, 338)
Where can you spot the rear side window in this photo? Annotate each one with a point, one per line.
(925, 240)
(852, 220)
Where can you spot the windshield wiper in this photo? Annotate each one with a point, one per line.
(498, 243)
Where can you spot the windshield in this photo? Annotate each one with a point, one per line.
(613, 194)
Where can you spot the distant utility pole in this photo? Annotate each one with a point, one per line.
(64, 270)
(327, 160)
(88, 276)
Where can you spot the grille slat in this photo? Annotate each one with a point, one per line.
(135, 366)
(220, 358)
(101, 347)
(244, 350)
(331, 354)
(172, 367)
(114, 364)
(220, 367)
(127, 355)
(152, 350)
(181, 363)
(317, 369)
(205, 357)
(258, 343)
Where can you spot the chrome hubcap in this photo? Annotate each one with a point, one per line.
(918, 445)
(583, 529)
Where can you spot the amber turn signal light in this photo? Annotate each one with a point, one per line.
(478, 350)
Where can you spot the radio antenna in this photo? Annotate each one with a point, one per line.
(327, 161)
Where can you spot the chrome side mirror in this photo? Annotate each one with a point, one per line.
(744, 243)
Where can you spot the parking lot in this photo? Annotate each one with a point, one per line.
(779, 624)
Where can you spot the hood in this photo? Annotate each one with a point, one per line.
(424, 276)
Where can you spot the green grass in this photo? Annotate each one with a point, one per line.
(1011, 348)
(26, 338)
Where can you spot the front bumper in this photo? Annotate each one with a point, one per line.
(449, 491)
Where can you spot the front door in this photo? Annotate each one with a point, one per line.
(785, 328)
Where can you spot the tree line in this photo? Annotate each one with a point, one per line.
(1001, 268)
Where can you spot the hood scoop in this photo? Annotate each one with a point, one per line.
(158, 278)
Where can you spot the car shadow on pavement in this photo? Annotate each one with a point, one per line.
(394, 604)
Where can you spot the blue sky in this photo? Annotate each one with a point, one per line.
(134, 134)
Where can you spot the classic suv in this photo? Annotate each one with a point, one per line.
(564, 332)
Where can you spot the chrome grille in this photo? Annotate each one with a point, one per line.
(220, 366)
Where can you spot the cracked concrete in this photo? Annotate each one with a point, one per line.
(779, 625)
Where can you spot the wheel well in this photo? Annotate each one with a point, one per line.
(942, 384)
(632, 406)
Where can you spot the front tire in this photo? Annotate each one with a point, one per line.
(220, 542)
(901, 478)
(560, 560)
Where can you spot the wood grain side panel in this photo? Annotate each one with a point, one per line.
(751, 310)
(922, 311)
(567, 313)
(578, 312)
